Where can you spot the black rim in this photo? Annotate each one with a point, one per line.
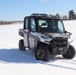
(20, 43)
(69, 52)
(40, 54)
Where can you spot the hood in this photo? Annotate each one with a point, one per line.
(54, 35)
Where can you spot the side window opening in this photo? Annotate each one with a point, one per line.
(33, 25)
(60, 26)
(26, 23)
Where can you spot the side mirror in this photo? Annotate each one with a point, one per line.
(43, 24)
(68, 33)
(65, 31)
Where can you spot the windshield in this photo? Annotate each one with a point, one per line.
(51, 26)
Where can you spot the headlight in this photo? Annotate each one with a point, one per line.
(45, 39)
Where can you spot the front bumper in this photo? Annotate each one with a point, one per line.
(59, 46)
(59, 50)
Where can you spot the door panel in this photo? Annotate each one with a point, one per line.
(26, 20)
(25, 38)
(31, 34)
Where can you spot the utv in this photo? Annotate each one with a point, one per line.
(46, 36)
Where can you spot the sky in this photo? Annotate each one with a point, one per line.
(18, 9)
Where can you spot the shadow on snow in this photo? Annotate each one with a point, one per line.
(16, 56)
(26, 57)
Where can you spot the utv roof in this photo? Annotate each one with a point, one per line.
(49, 16)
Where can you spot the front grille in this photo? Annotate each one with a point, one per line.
(59, 41)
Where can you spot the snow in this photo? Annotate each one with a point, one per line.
(71, 27)
(15, 62)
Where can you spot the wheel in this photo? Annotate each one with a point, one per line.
(21, 45)
(70, 53)
(42, 53)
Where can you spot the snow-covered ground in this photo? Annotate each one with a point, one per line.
(15, 62)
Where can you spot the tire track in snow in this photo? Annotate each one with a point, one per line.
(63, 63)
(69, 62)
(59, 66)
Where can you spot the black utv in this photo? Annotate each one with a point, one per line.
(46, 36)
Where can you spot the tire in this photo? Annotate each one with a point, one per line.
(70, 53)
(42, 53)
(21, 45)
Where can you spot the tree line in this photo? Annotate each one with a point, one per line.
(71, 15)
(9, 22)
(5, 22)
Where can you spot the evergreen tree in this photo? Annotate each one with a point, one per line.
(58, 15)
(72, 15)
